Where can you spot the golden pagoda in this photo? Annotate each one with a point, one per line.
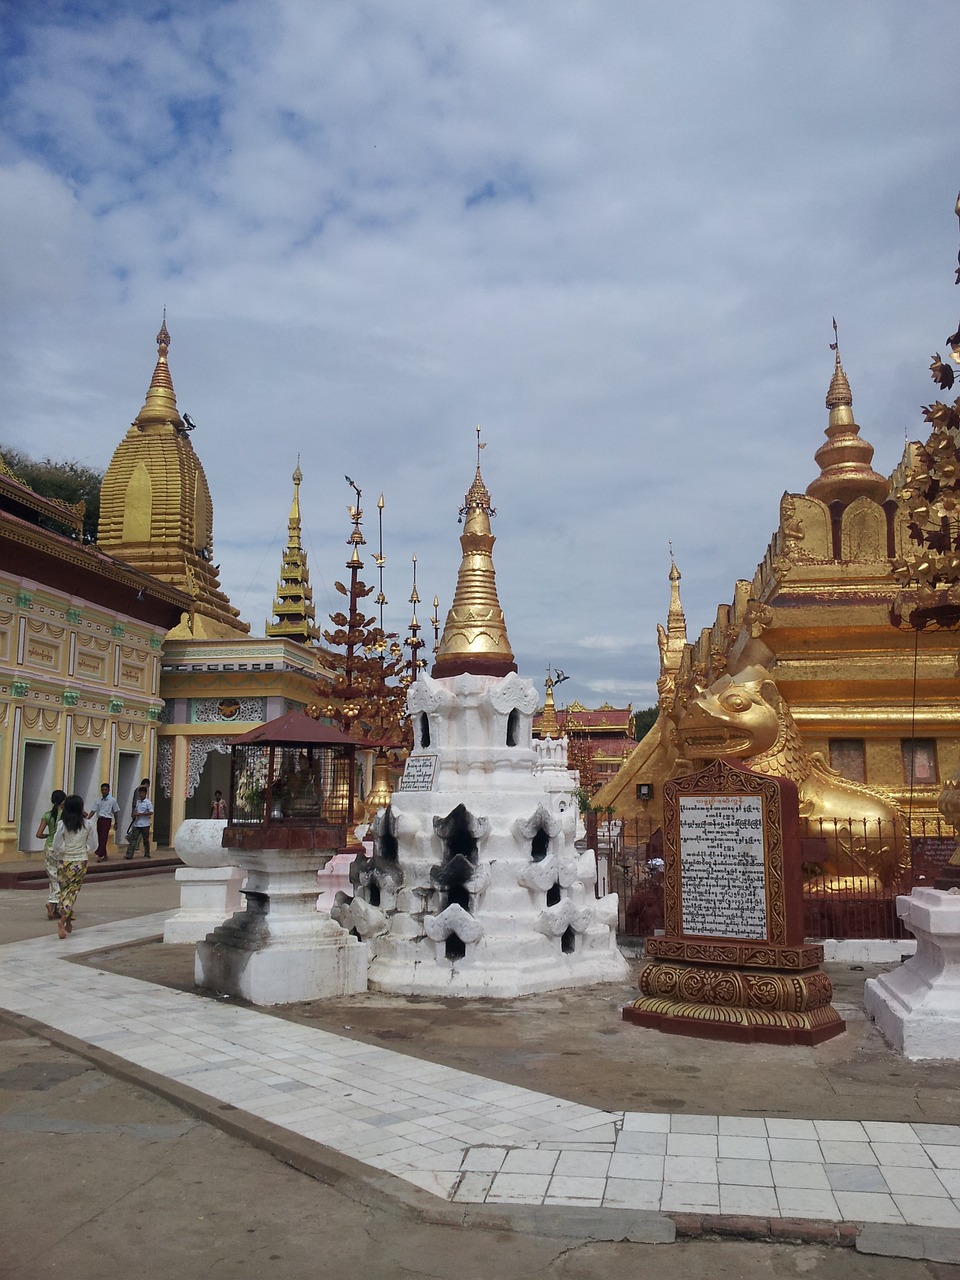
(293, 605)
(155, 508)
(475, 635)
(876, 703)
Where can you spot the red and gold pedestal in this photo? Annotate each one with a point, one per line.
(736, 991)
(732, 852)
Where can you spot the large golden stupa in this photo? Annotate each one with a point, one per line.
(156, 513)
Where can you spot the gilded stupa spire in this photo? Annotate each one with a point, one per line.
(549, 725)
(672, 640)
(160, 406)
(475, 635)
(676, 621)
(844, 460)
(293, 606)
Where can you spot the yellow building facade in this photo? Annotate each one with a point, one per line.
(80, 649)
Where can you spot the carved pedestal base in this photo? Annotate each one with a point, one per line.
(746, 1003)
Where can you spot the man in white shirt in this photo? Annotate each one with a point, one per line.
(106, 811)
(142, 815)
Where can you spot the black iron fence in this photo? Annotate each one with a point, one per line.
(853, 870)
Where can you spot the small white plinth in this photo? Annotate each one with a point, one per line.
(208, 897)
(279, 949)
(917, 1005)
(209, 889)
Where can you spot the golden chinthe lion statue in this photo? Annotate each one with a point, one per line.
(860, 832)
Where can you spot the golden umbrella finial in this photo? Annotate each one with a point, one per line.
(475, 636)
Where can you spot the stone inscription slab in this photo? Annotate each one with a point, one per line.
(419, 773)
(722, 876)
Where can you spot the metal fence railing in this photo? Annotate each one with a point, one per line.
(853, 871)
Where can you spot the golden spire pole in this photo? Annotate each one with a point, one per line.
(435, 623)
(413, 641)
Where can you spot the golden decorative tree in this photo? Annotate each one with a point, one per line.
(363, 694)
(930, 494)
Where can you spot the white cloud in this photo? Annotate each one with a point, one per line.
(614, 236)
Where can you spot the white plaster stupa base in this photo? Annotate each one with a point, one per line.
(280, 949)
(917, 1006)
(498, 972)
(514, 942)
(209, 889)
(476, 887)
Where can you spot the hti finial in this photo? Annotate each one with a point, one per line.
(163, 337)
(479, 446)
(838, 393)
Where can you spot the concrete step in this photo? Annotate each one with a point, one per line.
(33, 875)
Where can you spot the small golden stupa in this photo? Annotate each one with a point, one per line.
(156, 513)
(549, 726)
(475, 635)
(845, 458)
(293, 605)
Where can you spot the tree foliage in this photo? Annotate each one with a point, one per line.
(643, 722)
(62, 480)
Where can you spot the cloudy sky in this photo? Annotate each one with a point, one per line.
(613, 233)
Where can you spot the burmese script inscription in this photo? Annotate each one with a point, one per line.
(722, 876)
(418, 773)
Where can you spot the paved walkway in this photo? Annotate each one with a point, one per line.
(466, 1138)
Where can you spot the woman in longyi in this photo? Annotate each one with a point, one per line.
(74, 840)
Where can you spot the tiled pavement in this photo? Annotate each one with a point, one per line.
(470, 1139)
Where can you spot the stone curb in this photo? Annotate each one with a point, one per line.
(931, 1244)
(780, 1230)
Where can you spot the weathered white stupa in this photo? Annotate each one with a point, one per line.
(475, 887)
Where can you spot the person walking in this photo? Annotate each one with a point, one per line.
(106, 811)
(140, 828)
(45, 832)
(145, 788)
(73, 841)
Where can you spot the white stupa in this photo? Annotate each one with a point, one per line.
(475, 887)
